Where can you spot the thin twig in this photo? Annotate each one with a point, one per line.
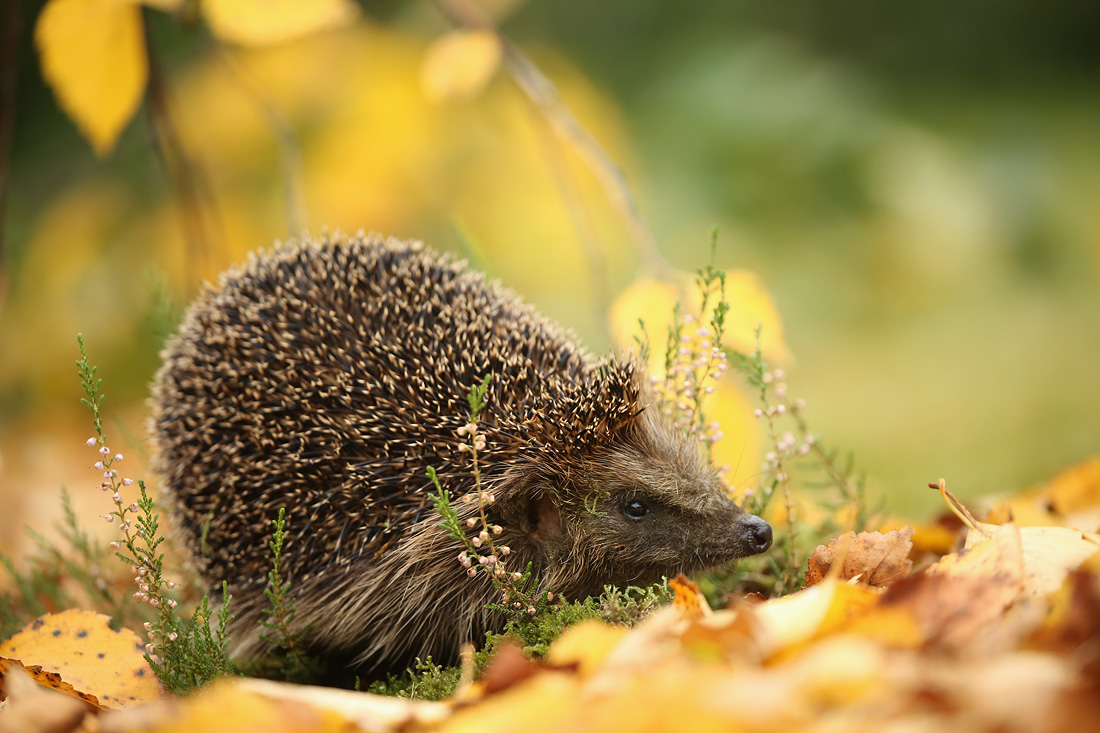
(8, 81)
(188, 178)
(582, 219)
(542, 93)
(290, 151)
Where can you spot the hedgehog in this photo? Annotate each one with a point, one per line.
(325, 377)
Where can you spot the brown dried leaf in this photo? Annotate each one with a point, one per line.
(874, 558)
(689, 601)
(31, 706)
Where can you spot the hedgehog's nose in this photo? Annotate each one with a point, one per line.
(757, 533)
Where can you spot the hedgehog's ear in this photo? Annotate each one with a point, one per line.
(541, 520)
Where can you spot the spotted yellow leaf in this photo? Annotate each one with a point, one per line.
(93, 57)
(88, 655)
(260, 22)
(460, 64)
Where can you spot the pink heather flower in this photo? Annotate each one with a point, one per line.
(154, 602)
(91, 442)
(471, 521)
(149, 648)
(171, 603)
(117, 498)
(505, 550)
(483, 536)
(104, 451)
(497, 529)
(134, 507)
(118, 456)
(169, 584)
(173, 636)
(780, 409)
(476, 541)
(115, 545)
(483, 560)
(148, 626)
(471, 572)
(758, 412)
(127, 481)
(98, 465)
(109, 517)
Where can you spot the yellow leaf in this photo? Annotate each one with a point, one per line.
(585, 644)
(809, 613)
(259, 22)
(653, 301)
(1048, 554)
(89, 655)
(93, 56)
(460, 64)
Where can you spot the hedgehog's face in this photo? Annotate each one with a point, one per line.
(642, 508)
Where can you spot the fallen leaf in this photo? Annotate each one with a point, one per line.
(795, 619)
(586, 645)
(1047, 554)
(93, 56)
(874, 558)
(260, 22)
(45, 678)
(33, 707)
(688, 600)
(460, 64)
(89, 655)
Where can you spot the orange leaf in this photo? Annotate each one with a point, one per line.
(875, 558)
(688, 600)
(93, 56)
(260, 22)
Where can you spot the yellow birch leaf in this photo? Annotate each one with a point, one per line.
(1048, 554)
(260, 22)
(93, 56)
(89, 655)
(460, 64)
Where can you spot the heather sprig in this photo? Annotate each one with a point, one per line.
(183, 653)
(520, 592)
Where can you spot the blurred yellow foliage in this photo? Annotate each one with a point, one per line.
(460, 64)
(258, 22)
(93, 55)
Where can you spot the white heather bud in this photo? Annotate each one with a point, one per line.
(483, 560)
(109, 517)
(758, 412)
(464, 448)
(505, 550)
(708, 389)
(104, 451)
(134, 507)
(780, 409)
(476, 542)
(530, 610)
(107, 475)
(471, 521)
(91, 442)
(517, 576)
(171, 603)
(98, 465)
(149, 648)
(781, 391)
(471, 572)
(497, 529)
(118, 456)
(154, 602)
(483, 536)
(779, 373)
(115, 545)
(491, 560)
(549, 596)
(169, 584)
(147, 626)
(127, 481)
(173, 636)
(504, 597)
(116, 498)
(490, 498)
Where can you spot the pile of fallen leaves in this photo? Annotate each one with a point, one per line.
(894, 632)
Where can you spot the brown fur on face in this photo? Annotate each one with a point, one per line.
(326, 377)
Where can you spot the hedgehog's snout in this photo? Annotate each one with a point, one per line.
(756, 534)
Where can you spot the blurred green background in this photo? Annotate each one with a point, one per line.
(917, 186)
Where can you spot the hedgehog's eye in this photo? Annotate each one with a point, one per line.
(635, 509)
